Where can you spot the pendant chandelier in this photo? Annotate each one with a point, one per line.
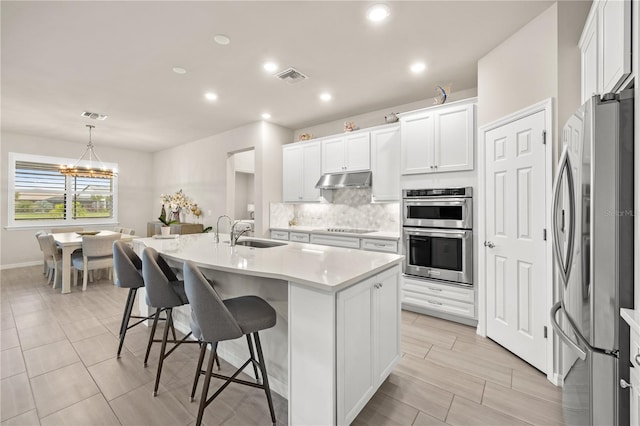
(88, 171)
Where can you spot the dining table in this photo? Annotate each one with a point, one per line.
(70, 242)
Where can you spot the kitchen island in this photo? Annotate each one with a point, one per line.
(337, 335)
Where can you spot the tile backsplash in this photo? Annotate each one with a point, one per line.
(351, 208)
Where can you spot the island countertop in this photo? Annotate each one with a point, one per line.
(322, 267)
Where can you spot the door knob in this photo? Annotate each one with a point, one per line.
(489, 244)
(624, 384)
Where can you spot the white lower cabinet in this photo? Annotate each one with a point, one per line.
(634, 395)
(368, 340)
(445, 298)
(336, 241)
(299, 237)
(280, 235)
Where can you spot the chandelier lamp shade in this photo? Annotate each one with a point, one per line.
(90, 170)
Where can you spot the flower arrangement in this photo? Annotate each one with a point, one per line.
(176, 202)
(349, 126)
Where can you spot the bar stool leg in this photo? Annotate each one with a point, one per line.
(203, 350)
(125, 319)
(205, 386)
(165, 335)
(253, 358)
(265, 380)
(153, 333)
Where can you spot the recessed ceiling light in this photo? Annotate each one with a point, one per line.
(270, 66)
(211, 96)
(325, 96)
(221, 39)
(179, 70)
(418, 67)
(266, 116)
(378, 12)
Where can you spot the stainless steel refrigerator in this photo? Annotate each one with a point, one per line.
(593, 246)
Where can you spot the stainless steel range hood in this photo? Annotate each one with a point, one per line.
(345, 180)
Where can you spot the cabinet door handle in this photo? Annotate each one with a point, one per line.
(624, 384)
(434, 303)
(434, 289)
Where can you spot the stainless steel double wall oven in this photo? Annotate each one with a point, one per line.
(437, 234)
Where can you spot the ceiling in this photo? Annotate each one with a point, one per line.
(59, 59)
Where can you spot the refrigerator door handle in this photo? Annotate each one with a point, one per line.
(564, 167)
(562, 335)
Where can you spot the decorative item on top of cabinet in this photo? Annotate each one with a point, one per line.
(350, 126)
(438, 139)
(346, 153)
(605, 46)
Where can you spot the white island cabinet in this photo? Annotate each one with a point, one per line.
(338, 317)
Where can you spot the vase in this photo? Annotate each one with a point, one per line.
(165, 230)
(182, 217)
(175, 215)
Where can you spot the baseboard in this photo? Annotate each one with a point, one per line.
(276, 385)
(21, 265)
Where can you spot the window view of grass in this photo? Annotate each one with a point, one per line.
(95, 206)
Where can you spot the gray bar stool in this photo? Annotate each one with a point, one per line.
(128, 267)
(164, 292)
(217, 320)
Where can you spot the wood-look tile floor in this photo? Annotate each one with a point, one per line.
(58, 367)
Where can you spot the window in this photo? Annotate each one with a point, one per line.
(40, 195)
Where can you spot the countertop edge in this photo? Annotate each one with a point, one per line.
(632, 317)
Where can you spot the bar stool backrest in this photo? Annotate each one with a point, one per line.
(128, 266)
(214, 319)
(157, 276)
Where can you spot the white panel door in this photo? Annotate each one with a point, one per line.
(386, 313)
(333, 154)
(454, 138)
(515, 247)
(385, 164)
(416, 133)
(311, 171)
(292, 173)
(357, 152)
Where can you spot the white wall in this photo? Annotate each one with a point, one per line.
(376, 118)
(135, 190)
(521, 71)
(204, 170)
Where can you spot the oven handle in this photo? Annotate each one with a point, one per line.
(441, 202)
(438, 233)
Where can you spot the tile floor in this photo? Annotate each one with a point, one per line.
(58, 367)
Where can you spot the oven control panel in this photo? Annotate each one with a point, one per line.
(437, 192)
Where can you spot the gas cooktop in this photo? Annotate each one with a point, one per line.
(348, 230)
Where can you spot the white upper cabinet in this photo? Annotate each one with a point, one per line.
(589, 49)
(454, 136)
(346, 153)
(300, 172)
(417, 143)
(438, 139)
(385, 163)
(606, 47)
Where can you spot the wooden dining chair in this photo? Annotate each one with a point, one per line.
(97, 253)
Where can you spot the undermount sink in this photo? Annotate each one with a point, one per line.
(259, 244)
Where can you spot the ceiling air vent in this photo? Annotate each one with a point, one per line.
(291, 76)
(94, 115)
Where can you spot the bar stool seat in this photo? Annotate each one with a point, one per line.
(215, 320)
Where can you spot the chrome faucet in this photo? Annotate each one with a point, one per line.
(218, 226)
(234, 235)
